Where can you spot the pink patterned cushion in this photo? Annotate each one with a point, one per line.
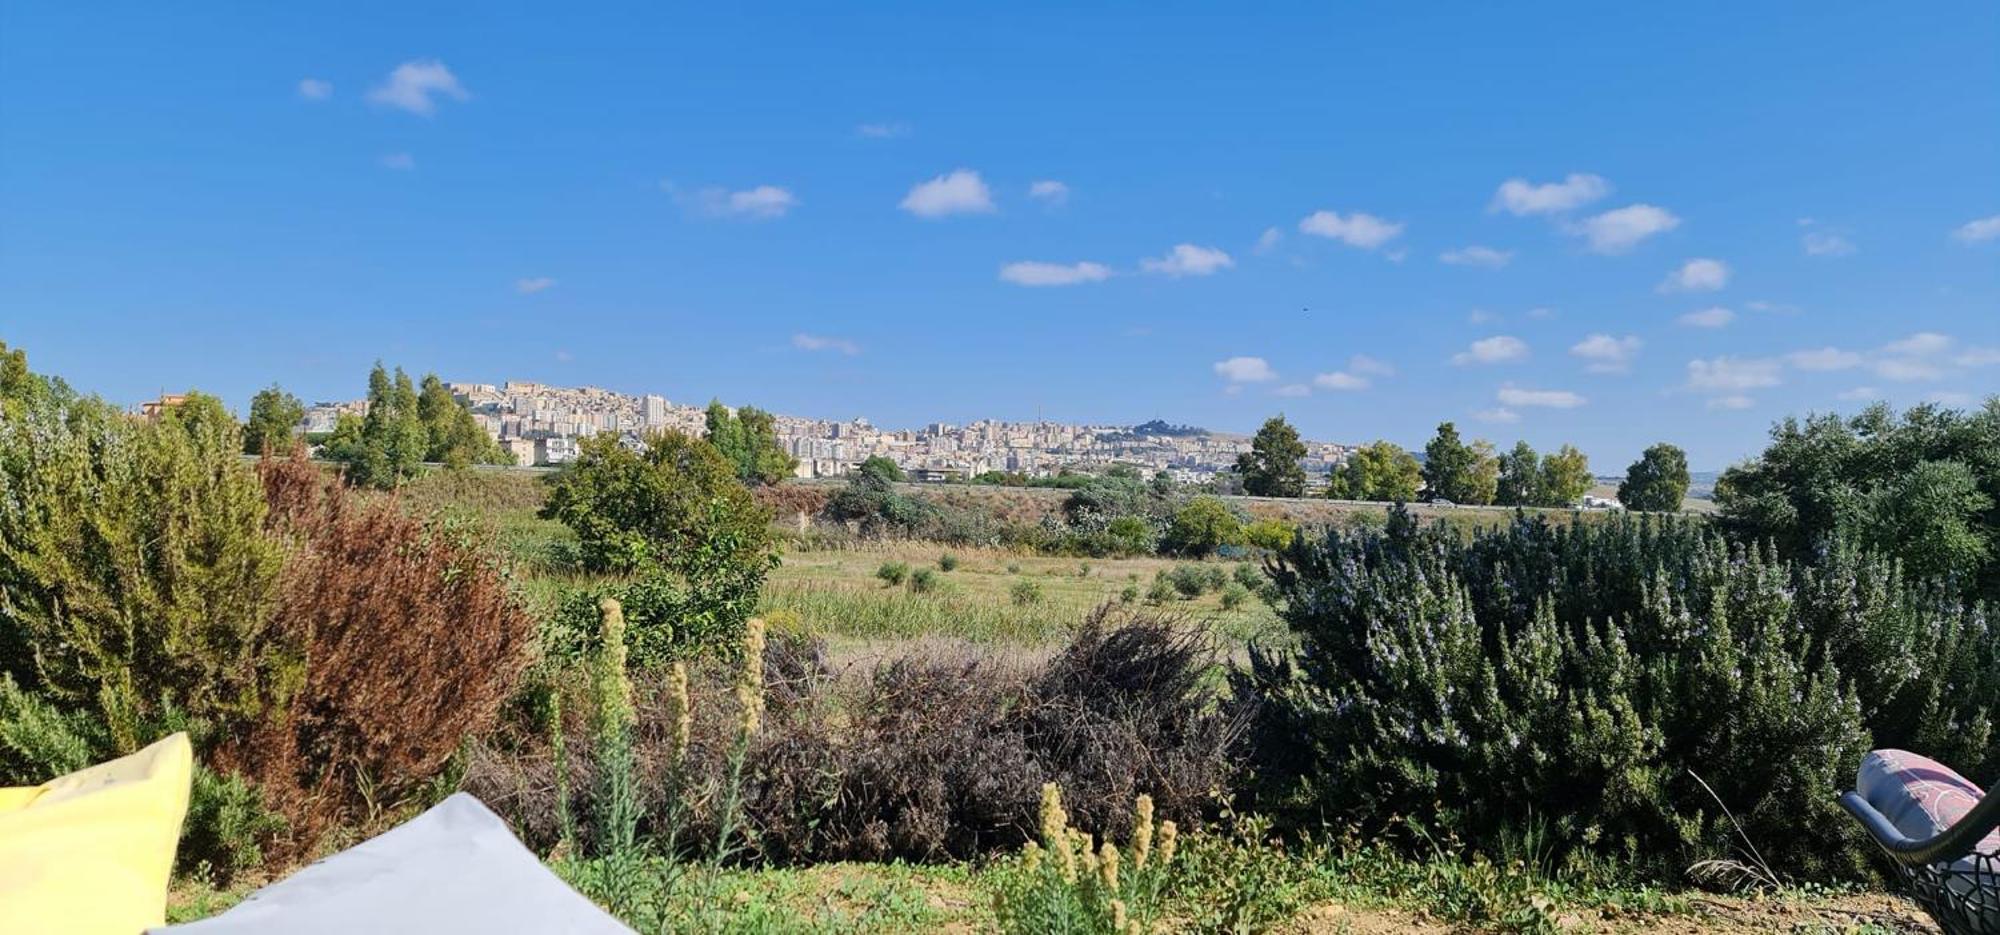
(1919, 795)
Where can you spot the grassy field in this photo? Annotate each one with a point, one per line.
(1007, 604)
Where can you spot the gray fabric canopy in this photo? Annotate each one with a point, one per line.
(455, 868)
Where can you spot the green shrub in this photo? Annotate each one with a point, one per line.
(1070, 881)
(1189, 580)
(1161, 591)
(1270, 534)
(1213, 578)
(1248, 575)
(1013, 568)
(676, 516)
(1024, 593)
(1132, 535)
(1202, 526)
(1233, 596)
(1580, 676)
(1129, 594)
(924, 581)
(893, 574)
(947, 562)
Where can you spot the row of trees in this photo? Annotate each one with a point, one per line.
(407, 424)
(1459, 471)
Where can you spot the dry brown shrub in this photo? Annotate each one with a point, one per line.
(928, 756)
(413, 643)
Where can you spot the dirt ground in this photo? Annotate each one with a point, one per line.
(1872, 913)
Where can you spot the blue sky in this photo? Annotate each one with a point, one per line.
(1561, 223)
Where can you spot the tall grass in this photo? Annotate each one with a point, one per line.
(862, 612)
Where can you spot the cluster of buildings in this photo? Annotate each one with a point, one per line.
(541, 424)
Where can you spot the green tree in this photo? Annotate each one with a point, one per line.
(388, 445)
(1922, 486)
(676, 517)
(1520, 477)
(1380, 471)
(881, 468)
(1203, 525)
(1565, 478)
(1456, 471)
(748, 438)
(1657, 482)
(274, 414)
(1271, 467)
(453, 435)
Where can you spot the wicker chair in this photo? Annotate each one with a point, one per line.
(1953, 873)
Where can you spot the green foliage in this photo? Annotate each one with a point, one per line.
(1924, 486)
(1657, 482)
(882, 468)
(1161, 590)
(925, 580)
(1132, 535)
(1247, 575)
(674, 516)
(387, 446)
(1456, 471)
(748, 440)
(1381, 471)
(1565, 478)
(453, 437)
(893, 573)
(1271, 467)
(274, 414)
(1024, 593)
(1579, 676)
(1203, 525)
(1188, 580)
(1071, 883)
(134, 568)
(1233, 595)
(947, 562)
(1270, 534)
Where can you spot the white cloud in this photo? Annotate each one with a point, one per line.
(1341, 380)
(1908, 369)
(1823, 358)
(533, 284)
(1860, 393)
(1499, 349)
(1621, 229)
(1826, 243)
(1362, 363)
(882, 131)
(1269, 239)
(314, 89)
(1520, 197)
(1978, 357)
(761, 203)
(1977, 231)
(401, 162)
(1733, 374)
(1732, 401)
(1950, 398)
(1919, 344)
(1049, 192)
(1477, 255)
(1499, 415)
(960, 192)
(1480, 316)
(1245, 370)
(1605, 353)
(1511, 395)
(415, 86)
(1356, 230)
(1713, 317)
(1293, 390)
(1188, 260)
(1697, 275)
(817, 342)
(1037, 273)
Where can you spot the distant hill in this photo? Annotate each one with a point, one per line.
(1162, 428)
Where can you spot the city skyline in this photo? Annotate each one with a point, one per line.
(1678, 225)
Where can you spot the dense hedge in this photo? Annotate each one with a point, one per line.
(1566, 686)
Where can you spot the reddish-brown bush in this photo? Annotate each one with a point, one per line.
(412, 644)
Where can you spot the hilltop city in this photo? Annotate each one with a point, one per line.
(541, 425)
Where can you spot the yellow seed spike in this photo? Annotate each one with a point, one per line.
(1118, 920)
(1168, 833)
(1142, 831)
(1107, 866)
